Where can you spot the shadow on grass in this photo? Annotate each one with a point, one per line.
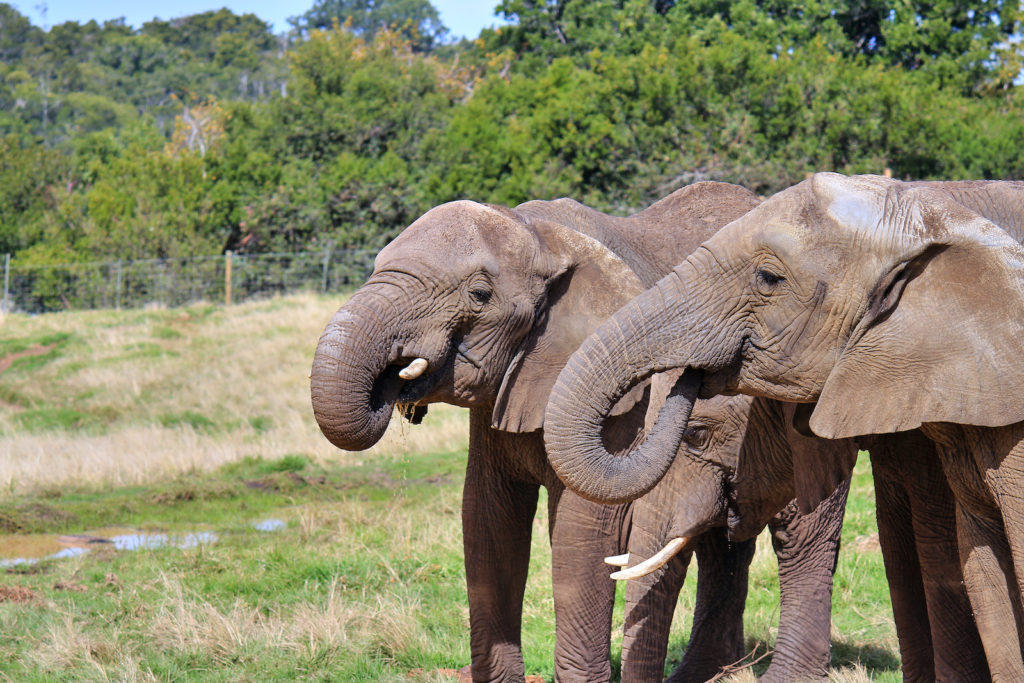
(875, 659)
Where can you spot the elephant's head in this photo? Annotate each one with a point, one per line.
(742, 460)
(473, 305)
(888, 305)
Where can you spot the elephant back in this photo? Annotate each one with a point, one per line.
(654, 240)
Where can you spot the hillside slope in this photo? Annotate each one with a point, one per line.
(125, 397)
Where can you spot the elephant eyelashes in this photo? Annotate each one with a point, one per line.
(481, 296)
(767, 280)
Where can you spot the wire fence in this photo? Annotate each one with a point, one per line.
(179, 281)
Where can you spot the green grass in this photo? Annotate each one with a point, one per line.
(198, 419)
(365, 583)
(335, 596)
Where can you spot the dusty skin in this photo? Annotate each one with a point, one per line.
(494, 300)
(888, 306)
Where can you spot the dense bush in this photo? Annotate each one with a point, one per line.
(208, 132)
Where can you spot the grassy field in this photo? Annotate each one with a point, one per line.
(193, 425)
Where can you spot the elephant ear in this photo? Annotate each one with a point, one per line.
(941, 338)
(589, 283)
(819, 465)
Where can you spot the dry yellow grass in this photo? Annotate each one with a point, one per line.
(150, 373)
(143, 370)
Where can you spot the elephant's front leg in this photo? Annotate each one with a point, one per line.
(990, 581)
(497, 518)
(984, 469)
(807, 547)
(650, 603)
(917, 532)
(582, 535)
(903, 570)
(716, 639)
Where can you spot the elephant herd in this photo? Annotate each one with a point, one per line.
(684, 377)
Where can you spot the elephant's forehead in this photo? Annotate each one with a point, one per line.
(799, 228)
(458, 234)
(722, 408)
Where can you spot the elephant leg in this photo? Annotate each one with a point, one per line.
(917, 532)
(497, 520)
(990, 580)
(582, 535)
(650, 604)
(807, 548)
(716, 639)
(956, 646)
(903, 571)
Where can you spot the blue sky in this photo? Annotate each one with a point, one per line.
(461, 18)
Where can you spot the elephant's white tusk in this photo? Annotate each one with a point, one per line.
(656, 562)
(414, 369)
(617, 560)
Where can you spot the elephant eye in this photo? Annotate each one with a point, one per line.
(696, 437)
(481, 296)
(767, 280)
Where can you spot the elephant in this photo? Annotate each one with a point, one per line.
(735, 471)
(879, 306)
(480, 306)
(916, 515)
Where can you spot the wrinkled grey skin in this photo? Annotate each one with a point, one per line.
(495, 300)
(916, 515)
(888, 306)
(735, 471)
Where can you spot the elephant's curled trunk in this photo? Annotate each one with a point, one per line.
(351, 387)
(623, 351)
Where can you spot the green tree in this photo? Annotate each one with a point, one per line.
(416, 20)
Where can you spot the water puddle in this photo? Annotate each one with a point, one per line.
(19, 549)
(270, 525)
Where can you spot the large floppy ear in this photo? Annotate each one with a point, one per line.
(819, 465)
(590, 285)
(943, 332)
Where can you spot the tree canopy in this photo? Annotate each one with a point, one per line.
(416, 20)
(209, 132)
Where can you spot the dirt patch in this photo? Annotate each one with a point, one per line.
(70, 586)
(18, 594)
(284, 482)
(37, 350)
(867, 544)
(463, 675)
(188, 492)
(35, 517)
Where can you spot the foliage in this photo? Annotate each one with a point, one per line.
(204, 133)
(416, 20)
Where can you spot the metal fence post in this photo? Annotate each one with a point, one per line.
(327, 263)
(7, 283)
(227, 278)
(117, 287)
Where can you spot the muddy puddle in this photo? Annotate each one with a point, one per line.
(16, 549)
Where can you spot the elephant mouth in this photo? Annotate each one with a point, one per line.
(389, 389)
(723, 380)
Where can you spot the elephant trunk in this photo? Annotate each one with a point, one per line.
(352, 387)
(633, 344)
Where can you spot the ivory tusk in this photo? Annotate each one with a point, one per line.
(617, 560)
(414, 369)
(654, 563)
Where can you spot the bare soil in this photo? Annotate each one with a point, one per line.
(18, 594)
(37, 350)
